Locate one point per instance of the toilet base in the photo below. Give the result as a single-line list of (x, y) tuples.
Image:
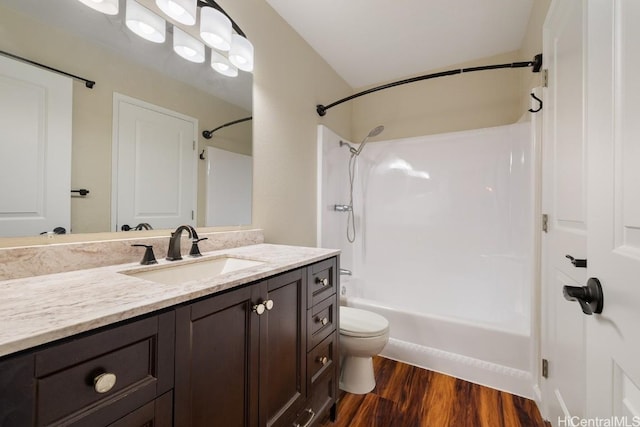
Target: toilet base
[(356, 375)]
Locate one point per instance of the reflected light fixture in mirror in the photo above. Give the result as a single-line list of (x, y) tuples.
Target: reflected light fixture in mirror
[(215, 29), (109, 7), (222, 65), (187, 47), (145, 23), (241, 53), (183, 11)]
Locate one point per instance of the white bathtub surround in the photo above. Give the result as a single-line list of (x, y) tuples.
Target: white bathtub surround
[(36, 260), (444, 247)]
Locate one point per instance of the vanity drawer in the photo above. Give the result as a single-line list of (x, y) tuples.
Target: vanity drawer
[(322, 397), (321, 281), (321, 322), (85, 381), (321, 359)]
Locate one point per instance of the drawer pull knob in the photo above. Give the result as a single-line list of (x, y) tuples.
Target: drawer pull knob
[(322, 320), (323, 360), (268, 304), (259, 308), (323, 282), (104, 382)]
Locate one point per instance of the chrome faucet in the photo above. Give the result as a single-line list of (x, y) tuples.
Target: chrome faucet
[(173, 254)]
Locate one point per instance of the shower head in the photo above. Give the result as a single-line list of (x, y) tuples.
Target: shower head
[(374, 132)]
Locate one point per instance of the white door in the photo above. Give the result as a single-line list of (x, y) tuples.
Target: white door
[(613, 133), (155, 166), (564, 201), (35, 150)]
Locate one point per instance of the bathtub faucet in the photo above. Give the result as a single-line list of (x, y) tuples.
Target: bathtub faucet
[(345, 272)]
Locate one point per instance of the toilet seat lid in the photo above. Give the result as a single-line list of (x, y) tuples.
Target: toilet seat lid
[(362, 323)]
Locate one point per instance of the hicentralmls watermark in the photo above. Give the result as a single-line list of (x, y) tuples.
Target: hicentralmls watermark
[(599, 422)]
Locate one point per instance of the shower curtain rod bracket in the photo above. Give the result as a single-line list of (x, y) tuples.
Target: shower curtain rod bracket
[(536, 65)]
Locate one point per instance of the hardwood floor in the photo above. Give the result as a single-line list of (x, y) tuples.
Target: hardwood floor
[(406, 396)]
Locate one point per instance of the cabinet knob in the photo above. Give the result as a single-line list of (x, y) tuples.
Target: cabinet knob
[(322, 320), (323, 282), (259, 308), (104, 382), (268, 304), (323, 360)]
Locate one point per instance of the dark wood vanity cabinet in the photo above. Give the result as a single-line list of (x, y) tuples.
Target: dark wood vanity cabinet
[(240, 356), (255, 356), (263, 354)]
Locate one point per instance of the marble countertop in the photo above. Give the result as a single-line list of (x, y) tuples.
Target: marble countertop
[(41, 309)]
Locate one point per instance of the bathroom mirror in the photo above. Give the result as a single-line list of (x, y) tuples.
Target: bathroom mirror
[(74, 38)]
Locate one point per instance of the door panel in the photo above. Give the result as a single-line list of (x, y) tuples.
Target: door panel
[(35, 150), (156, 167), (613, 349), (564, 200)]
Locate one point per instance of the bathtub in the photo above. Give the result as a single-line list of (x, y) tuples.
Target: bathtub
[(479, 353), (444, 247)]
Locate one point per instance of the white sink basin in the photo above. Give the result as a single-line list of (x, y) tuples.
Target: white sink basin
[(202, 269)]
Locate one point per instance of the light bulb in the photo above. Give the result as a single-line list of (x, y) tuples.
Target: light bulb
[(145, 23), (183, 11), (108, 7), (215, 28), (187, 46)]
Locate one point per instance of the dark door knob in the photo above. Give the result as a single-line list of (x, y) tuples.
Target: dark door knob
[(589, 297)]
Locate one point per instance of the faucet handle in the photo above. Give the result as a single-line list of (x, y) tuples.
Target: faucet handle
[(195, 250), (149, 257)]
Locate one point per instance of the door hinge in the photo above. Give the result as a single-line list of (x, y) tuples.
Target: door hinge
[(194, 146), (545, 77), (545, 223), (193, 215), (545, 368)]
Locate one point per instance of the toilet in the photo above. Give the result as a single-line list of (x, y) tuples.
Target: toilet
[(363, 334)]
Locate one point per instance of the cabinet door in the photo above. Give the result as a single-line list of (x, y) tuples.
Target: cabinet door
[(217, 361), (283, 349)]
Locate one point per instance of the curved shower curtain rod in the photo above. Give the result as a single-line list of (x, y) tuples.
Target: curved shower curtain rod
[(209, 133), (536, 64)]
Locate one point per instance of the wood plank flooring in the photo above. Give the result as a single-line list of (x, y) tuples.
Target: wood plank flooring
[(407, 396)]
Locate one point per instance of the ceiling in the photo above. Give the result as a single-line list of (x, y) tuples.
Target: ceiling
[(373, 41)]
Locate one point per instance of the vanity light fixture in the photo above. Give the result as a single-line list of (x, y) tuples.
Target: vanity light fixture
[(221, 64), (109, 7), (241, 53), (215, 28), (145, 23), (183, 11), (187, 46)]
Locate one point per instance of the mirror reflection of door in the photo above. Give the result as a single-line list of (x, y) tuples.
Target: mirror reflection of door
[(155, 166), (35, 149)]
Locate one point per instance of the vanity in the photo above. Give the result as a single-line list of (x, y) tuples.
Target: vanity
[(254, 343)]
